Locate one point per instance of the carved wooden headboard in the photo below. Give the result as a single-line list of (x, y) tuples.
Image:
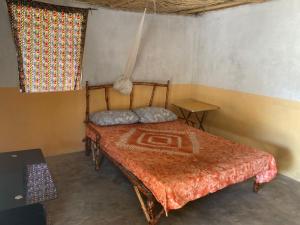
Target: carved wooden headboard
[(106, 88)]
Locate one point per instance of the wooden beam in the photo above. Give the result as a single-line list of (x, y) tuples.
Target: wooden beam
[(218, 6), (183, 7)]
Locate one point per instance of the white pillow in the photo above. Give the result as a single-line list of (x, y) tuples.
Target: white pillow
[(154, 115), (114, 117)]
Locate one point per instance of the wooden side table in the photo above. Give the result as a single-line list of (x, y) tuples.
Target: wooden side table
[(194, 107)]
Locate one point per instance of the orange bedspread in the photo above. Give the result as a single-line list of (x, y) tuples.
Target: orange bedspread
[(178, 163)]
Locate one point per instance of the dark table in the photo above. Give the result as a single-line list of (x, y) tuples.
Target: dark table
[(25, 180)]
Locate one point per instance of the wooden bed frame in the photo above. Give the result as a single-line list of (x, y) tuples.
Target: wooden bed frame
[(152, 209)]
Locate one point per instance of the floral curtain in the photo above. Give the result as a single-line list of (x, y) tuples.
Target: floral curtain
[(50, 42)]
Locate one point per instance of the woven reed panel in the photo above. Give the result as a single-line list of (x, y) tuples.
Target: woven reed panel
[(185, 7)]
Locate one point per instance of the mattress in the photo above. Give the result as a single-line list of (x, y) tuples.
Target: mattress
[(179, 163)]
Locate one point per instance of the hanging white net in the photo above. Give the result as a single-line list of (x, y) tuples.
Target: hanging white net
[(124, 83)]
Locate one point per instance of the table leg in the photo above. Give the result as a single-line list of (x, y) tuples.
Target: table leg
[(201, 120), (186, 118)]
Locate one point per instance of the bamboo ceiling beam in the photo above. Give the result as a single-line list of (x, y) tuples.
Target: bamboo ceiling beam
[(121, 3), (218, 6), (183, 7)]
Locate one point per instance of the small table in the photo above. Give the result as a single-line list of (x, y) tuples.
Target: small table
[(193, 106), (25, 182)]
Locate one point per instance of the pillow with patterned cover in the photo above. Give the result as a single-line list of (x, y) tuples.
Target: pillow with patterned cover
[(114, 117), (154, 115)]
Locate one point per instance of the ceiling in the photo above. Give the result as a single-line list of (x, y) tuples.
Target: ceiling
[(184, 7)]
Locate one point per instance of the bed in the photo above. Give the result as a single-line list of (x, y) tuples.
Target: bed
[(170, 164)]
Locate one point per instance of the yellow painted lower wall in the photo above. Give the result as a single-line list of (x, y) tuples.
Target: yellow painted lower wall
[(54, 121), (270, 124), (51, 121)]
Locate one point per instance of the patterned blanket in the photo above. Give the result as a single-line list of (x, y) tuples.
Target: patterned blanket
[(178, 163)]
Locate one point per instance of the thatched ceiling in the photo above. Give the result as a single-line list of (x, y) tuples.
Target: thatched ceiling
[(186, 7)]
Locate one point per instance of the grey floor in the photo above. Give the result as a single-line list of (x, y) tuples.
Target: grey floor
[(87, 197)]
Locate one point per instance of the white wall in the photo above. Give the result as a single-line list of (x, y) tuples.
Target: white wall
[(8, 58), (166, 51), (165, 54), (252, 48)]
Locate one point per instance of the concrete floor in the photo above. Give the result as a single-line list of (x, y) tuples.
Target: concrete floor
[(87, 197)]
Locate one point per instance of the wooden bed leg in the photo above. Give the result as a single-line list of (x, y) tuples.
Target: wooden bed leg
[(150, 204), (138, 194), (154, 213), (256, 186), (98, 159), (97, 162), (152, 217), (98, 156), (88, 146)]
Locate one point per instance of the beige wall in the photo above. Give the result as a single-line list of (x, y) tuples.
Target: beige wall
[(270, 124), (54, 121), (51, 121)]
